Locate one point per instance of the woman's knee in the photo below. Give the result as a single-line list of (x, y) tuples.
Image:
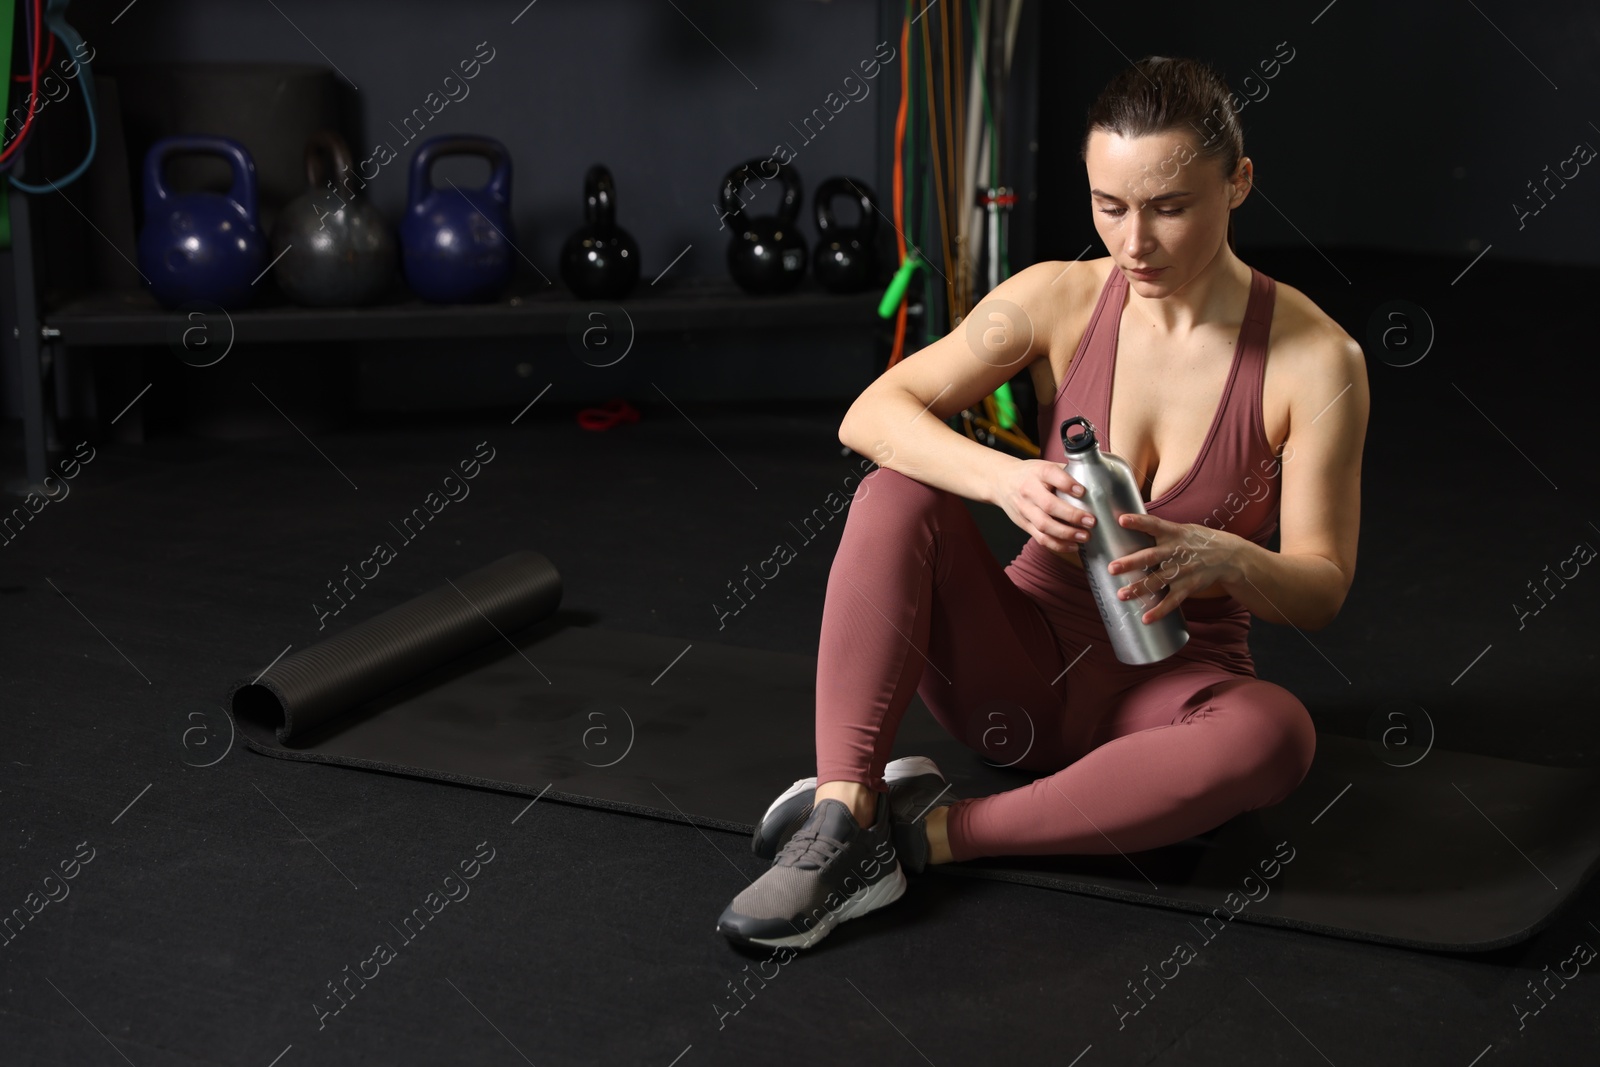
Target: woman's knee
[(893, 509), (900, 493), (1288, 741)]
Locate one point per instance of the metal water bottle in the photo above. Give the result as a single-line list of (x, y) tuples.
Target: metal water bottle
[(1109, 491)]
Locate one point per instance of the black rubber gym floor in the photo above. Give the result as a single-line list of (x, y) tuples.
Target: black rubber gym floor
[(217, 897)]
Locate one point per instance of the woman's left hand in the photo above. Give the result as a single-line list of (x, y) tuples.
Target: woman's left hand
[(1185, 557)]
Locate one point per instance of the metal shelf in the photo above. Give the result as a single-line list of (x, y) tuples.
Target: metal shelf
[(532, 309)]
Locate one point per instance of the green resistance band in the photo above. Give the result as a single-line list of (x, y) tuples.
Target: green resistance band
[(1005, 406), (897, 285)]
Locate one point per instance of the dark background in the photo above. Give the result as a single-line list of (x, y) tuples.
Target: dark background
[(1403, 128)]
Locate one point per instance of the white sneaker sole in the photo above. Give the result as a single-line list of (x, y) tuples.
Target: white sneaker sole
[(910, 767), (804, 785), (862, 902)]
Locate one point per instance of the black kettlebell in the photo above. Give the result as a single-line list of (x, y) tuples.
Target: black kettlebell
[(330, 252), (767, 253), (845, 261), (600, 260)]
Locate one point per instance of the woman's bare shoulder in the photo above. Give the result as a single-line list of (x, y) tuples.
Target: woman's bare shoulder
[(1056, 297), (1056, 294), (1319, 367), (1055, 280), (1310, 335)]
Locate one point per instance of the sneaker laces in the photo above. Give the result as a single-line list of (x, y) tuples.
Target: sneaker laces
[(808, 850)]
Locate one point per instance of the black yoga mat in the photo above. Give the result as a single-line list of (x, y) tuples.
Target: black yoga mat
[(486, 682)]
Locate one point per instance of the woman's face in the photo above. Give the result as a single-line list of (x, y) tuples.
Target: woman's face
[(1157, 204)]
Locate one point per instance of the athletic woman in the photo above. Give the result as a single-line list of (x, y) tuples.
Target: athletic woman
[(1163, 345)]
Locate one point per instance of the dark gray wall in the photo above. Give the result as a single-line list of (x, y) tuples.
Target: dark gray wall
[(1410, 127), (669, 101)]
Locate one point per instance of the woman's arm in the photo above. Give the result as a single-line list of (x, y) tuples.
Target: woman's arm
[(899, 420), (1304, 584)]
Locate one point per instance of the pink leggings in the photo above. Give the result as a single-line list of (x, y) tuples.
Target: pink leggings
[(1015, 663)]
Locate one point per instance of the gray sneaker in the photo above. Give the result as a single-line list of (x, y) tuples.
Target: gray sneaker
[(916, 787), (783, 817), (831, 870)]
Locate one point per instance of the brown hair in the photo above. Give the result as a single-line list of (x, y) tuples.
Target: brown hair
[(1160, 93)]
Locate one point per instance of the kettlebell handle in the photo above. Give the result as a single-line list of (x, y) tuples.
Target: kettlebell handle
[(326, 143), (751, 170), (864, 230), (600, 199), (243, 190), (432, 150)]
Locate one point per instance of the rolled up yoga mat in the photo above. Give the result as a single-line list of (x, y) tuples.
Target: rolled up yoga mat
[(487, 681), (306, 690)]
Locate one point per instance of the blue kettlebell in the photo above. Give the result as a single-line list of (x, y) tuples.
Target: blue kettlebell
[(456, 243), (201, 246)]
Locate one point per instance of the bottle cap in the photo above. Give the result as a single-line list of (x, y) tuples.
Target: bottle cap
[(1084, 442)]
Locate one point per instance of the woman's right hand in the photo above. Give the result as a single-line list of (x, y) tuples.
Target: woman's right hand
[(1027, 494)]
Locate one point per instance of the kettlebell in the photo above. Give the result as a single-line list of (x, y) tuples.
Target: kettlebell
[(600, 260), (845, 260), (328, 251), (767, 253), (456, 243), (201, 246)]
